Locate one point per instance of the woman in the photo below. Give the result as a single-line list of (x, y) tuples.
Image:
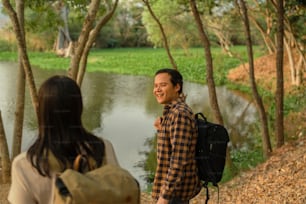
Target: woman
[(61, 137)]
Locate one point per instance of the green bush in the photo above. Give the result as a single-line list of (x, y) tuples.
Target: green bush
[(6, 46)]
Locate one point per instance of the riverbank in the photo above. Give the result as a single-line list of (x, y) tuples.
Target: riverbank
[(281, 179)]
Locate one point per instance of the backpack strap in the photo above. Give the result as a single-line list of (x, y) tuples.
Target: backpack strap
[(205, 185), (218, 193), (200, 114), (82, 163)]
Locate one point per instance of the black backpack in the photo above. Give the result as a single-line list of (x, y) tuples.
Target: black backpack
[(210, 151)]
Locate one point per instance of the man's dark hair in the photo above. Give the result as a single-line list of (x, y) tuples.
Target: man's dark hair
[(176, 77)]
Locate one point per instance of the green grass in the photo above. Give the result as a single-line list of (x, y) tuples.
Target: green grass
[(144, 61)]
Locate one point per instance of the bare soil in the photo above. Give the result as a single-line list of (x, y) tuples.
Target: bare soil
[(279, 180), (265, 73)]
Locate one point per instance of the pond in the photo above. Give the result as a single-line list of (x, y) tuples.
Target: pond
[(122, 109)]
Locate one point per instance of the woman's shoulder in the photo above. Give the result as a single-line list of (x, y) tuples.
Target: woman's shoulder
[(110, 155), (20, 160), (27, 184), (106, 142)]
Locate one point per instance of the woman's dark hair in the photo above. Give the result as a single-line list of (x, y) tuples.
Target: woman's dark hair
[(176, 77), (60, 128)]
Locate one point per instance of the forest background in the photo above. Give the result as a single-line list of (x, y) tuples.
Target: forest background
[(71, 32)]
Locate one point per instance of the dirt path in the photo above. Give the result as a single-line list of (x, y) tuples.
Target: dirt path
[(280, 180)]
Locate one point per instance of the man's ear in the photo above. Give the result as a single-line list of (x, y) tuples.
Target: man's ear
[(177, 88)]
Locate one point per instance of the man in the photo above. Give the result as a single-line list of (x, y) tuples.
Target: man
[(176, 180)]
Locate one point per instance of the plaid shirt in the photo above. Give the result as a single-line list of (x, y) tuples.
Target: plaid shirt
[(176, 173)]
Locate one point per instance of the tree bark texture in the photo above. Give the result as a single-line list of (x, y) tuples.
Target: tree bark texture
[(92, 37), (22, 46), (209, 64), (20, 96), (267, 148), (87, 26), (209, 77), (279, 95), (4, 154)]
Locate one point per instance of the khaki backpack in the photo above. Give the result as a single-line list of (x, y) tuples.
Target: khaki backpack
[(108, 184)]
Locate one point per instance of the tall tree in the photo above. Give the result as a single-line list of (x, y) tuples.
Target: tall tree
[(294, 37), (17, 19), (219, 19), (88, 24), (261, 16), (91, 39), (20, 97), (209, 63), (294, 32), (165, 39), (279, 95), (267, 149), (210, 77), (91, 27), (23, 51)]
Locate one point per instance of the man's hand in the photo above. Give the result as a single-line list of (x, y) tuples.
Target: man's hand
[(157, 123), (161, 200)]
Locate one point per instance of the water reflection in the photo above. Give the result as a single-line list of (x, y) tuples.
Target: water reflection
[(122, 109)]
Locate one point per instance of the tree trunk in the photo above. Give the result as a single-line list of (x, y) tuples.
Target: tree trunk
[(163, 33), (20, 97), (279, 95), (4, 155), (267, 149), (210, 77), (23, 51), (92, 36), (209, 64), (19, 112), (87, 26), (63, 40)]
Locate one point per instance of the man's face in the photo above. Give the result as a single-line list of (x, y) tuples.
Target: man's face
[(163, 90)]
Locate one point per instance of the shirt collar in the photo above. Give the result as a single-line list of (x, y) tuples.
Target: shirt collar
[(180, 99)]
